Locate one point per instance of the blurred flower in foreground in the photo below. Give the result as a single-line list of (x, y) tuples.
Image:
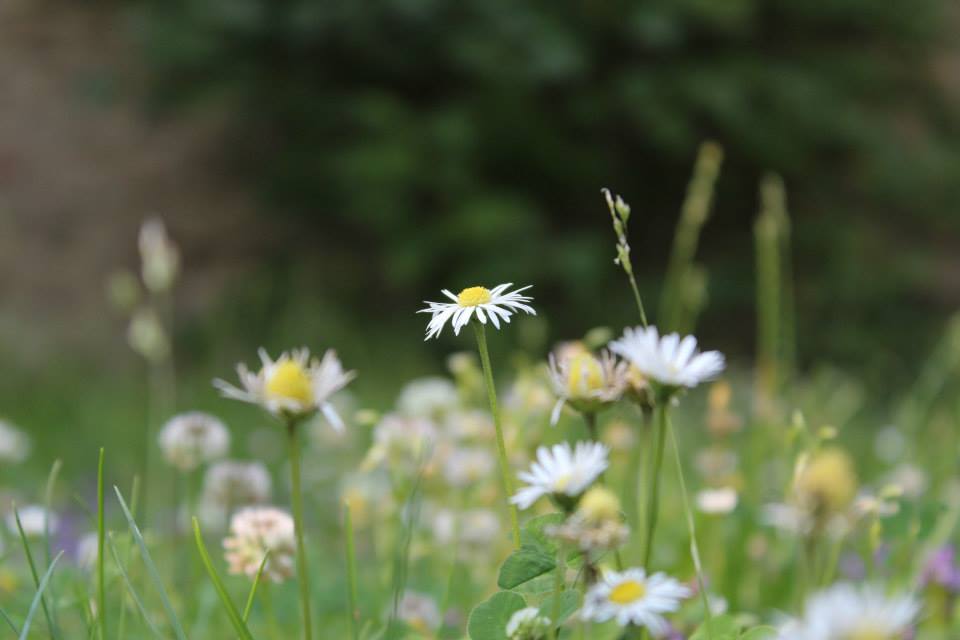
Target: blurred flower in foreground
[(14, 444), (160, 259), (293, 386), (585, 382), (403, 443), (668, 360), (428, 398), (486, 304), (528, 624), (562, 473), (467, 465), (191, 439), (474, 528), (596, 525), (631, 597), (87, 550), (848, 612), (942, 570), (147, 336), (826, 483), (419, 612), (255, 531), (34, 519)]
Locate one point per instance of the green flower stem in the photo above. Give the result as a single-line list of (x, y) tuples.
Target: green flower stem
[(653, 481), (296, 500), (101, 537), (480, 331), (636, 296), (558, 585), (351, 552), (691, 528)]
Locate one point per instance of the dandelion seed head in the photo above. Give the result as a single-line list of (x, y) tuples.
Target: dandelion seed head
[(254, 532)]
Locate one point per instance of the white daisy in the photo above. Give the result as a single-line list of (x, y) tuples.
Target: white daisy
[(35, 519), (585, 382), (849, 612), (14, 443), (494, 304), (193, 438), (561, 472), (670, 360), (632, 598), (292, 386)]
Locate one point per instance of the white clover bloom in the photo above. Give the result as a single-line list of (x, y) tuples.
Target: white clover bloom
[(485, 304), (419, 612), (585, 382), (431, 397), (561, 472), (35, 519), (632, 597), (293, 385), (473, 527), (233, 483), (14, 444), (87, 551), (467, 465), (159, 256), (670, 360), (193, 438), (255, 531), (849, 612), (527, 624), (717, 501)]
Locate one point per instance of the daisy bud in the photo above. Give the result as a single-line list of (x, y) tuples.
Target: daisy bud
[(599, 504)]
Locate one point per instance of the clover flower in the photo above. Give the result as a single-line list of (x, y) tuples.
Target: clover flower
[(254, 531), (476, 302), (191, 439), (527, 624), (293, 386), (232, 483)]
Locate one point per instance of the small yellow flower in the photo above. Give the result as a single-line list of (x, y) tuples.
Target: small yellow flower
[(827, 483), (599, 504)]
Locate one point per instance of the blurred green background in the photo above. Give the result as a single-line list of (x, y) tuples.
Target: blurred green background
[(325, 166)]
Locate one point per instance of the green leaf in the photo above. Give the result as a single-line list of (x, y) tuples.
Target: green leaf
[(151, 568), (25, 631), (533, 534), (238, 624), (488, 620), (760, 633), (33, 566), (722, 627), (253, 587), (526, 563), (569, 602), (133, 592)]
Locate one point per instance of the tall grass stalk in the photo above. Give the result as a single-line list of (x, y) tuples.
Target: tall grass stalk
[(296, 499), (101, 539), (620, 216), (680, 302), (353, 613), (33, 571), (480, 331)]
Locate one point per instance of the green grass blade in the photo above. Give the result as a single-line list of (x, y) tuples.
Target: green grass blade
[(33, 568), (232, 613), (151, 568), (101, 583), (253, 589), (38, 598), (133, 592), (6, 618)]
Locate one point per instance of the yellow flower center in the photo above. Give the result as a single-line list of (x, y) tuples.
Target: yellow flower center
[(561, 483), (586, 374), (627, 592), (868, 634), (473, 296), (289, 380)]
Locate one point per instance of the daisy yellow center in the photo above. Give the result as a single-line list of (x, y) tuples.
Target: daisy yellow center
[(586, 374), (868, 634), (562, 482), (289, 380), (473, 296), (627, 592)]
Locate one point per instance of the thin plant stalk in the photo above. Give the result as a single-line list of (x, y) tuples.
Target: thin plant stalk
[(558, 585), (296, 500), (33, 572), (691, 527), (134, 503), (653, 482), (480, 331), (253, 588), (351, 556), (101, 560), (767, 237)]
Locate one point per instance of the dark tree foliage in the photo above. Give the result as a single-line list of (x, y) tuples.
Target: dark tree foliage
[(426, 141)]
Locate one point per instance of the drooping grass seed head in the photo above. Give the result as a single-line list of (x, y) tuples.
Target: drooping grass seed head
[(478, 303)]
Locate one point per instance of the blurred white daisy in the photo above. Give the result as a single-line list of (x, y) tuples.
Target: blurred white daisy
[(671, 360), (419, 612), (292, 386), (561, 472), (233, 483), (431, 397), (718, 501), (14, 443), (193, 438), (467, 465), (255, 531), (585, 382), (632, 597), (848, 612), (474, 528), (527, 624), (485, 304), (401, 442), (34, 519)]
